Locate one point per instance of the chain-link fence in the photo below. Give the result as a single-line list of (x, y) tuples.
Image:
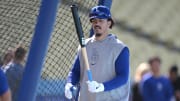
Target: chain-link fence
[(17, 23)]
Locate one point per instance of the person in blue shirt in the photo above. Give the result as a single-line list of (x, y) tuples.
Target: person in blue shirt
[(15, 72), (108, 60), (156, 87), (5, 94)]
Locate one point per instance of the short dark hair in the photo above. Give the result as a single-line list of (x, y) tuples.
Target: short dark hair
[(174, 68), (20, 53), (112, 23), (156, 58)]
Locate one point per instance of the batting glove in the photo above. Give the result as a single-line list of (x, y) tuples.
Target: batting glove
[(95, 87), (68, 92)]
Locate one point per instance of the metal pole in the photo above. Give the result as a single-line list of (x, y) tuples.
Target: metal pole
[(38, 50)]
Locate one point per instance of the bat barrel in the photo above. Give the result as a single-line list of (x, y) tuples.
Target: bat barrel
[(78, 26)]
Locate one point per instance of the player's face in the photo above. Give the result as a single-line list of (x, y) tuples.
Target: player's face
[(100, 27)]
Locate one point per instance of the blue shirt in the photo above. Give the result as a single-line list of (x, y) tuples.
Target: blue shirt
[(3, 83), (121, 67), (157, 89), (14, 75)]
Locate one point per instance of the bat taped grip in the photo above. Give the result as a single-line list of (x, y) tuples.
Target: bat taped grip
[(89, 75)]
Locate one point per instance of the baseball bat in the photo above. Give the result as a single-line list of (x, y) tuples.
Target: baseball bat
[(80, 35)]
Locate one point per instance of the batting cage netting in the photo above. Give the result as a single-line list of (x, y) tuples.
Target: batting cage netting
[(18, 19)]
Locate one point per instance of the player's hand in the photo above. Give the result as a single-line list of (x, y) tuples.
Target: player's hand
[(95, 87), (68, 92)]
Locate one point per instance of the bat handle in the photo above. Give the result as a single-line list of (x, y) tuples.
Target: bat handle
[(89, 73)]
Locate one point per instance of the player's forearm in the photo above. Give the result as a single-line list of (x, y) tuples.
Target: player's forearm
[(115, 83)]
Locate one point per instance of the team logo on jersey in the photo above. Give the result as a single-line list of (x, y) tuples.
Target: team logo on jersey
[(159, 86), (94, 57)]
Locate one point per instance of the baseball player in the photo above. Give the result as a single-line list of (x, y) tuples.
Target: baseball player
[(108, 60)]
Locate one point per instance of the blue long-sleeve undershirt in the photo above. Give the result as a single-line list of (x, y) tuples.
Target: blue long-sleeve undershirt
[(121, 67), (74, 75)]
